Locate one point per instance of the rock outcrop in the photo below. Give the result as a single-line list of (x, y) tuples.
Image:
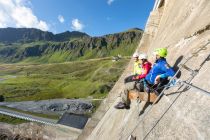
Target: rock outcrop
[(54, 106), (183, 112)]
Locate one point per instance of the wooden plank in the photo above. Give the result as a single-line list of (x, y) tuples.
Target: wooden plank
[(134, 94)]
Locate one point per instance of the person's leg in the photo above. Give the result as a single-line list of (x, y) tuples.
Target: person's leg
[(129, 79), (125, 98), (128, 87), (125, 103), (161, 85), (140, 85)]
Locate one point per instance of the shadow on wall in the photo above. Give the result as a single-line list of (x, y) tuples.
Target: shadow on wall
[(177, 63), (193, 72), (176, 66), (207, 59)]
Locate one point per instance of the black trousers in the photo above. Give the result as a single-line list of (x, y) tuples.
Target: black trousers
[(156, 88), (129, 79)]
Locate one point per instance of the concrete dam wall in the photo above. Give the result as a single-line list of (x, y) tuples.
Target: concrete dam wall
[(182, 26)]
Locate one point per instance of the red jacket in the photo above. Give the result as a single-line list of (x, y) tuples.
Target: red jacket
[(145, 70)]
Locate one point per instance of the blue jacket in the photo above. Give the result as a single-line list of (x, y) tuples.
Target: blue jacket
[(161, 68)]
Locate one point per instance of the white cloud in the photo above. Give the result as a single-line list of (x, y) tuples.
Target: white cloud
[(61, 19), (16, 13), (26, 3), (109, 2), (76, 25), (3, 19)]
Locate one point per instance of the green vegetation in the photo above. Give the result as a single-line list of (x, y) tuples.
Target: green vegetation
[(11, 120), (37, 65), (55, 117), (78, 79), (53, 49), (2, 98)]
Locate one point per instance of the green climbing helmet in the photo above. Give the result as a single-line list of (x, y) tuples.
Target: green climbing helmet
[(162, 52)]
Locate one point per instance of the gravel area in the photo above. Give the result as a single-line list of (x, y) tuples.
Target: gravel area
[(55, 106)]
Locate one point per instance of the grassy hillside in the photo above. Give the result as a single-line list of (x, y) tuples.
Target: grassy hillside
[(42, 51), (38, 65), (78, 79), (11, 120)]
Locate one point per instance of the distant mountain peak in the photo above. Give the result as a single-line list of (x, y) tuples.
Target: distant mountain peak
[(11, 35), (36, 45), (135, 29)]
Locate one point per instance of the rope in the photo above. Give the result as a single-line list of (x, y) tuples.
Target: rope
[(166, 111), (152, 105), (187, 84), (162, 93)]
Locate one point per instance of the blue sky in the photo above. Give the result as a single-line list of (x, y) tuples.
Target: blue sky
[(95, 17)]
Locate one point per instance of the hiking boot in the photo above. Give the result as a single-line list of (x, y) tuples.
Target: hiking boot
[(121, 105)]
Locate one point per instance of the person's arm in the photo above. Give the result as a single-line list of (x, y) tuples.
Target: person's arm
[(169, 72)]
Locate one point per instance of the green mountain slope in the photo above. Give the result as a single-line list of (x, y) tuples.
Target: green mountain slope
[(78, 79), (67, 46), (24, 35)]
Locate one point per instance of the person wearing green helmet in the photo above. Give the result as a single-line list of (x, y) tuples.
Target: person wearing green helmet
[(154, 81), (160, 69), (161, 52), (157, 77)]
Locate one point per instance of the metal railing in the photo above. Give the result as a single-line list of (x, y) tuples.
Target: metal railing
[(194, 54), (27, 117)]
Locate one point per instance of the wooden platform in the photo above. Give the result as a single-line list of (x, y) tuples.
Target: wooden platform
[(134, 94)]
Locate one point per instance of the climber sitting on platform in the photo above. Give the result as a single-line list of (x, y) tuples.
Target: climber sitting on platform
[(157, 78), (137, 83), (153, 83), (137, 69)]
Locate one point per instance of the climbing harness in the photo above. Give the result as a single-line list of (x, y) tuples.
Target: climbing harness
[(188, 85), (194, 54)]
